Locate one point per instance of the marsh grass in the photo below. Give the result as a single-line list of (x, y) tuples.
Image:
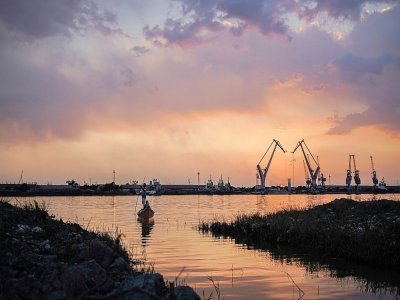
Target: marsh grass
[(367, 232)]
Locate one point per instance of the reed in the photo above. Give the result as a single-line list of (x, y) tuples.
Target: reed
[(367, 232)]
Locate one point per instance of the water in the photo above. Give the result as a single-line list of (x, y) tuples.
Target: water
[(177, 250)]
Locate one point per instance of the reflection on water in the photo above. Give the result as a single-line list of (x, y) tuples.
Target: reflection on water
[(147, 226), (177, 249), (368, 279)]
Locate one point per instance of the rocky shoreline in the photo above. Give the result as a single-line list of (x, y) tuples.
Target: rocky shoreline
[(44, 258), (366, 232)]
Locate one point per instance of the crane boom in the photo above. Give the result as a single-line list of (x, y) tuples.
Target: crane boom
[(20, 177), (313, 174), (263, 173)]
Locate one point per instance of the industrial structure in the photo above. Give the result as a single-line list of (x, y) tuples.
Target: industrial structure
[(378, 186), (313, 174), (374, 178), (262, 173), (321, 178), (357, 179), (306, 176)]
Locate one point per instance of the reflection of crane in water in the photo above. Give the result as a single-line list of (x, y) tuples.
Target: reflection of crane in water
[(262, 174), (313, 174)]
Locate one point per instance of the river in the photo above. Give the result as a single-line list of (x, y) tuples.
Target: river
[(172, 245)]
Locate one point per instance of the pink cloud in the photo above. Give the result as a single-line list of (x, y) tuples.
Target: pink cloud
[(372, 73), (46, 18), (270, 17)]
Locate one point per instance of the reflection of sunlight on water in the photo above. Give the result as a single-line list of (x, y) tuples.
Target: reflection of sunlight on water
[(172, 242)]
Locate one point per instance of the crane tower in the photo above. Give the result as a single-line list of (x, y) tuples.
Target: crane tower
[(348, 176), (308, 180), (313, 174), (321, 178), (374, 178), (357, 179), (262, 173)]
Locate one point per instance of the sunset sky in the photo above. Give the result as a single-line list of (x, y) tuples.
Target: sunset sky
[(165, 89)]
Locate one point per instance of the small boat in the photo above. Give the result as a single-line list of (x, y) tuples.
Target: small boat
[(146, 212)]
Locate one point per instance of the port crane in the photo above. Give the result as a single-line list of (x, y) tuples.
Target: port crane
[(321, 178), (382, 185), (313, 174), (374, 178), (348, 176), (357, 179), (262, 174), (308, 180), (20, 177)]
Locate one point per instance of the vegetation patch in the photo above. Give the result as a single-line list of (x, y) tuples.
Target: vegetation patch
[(366, 232)]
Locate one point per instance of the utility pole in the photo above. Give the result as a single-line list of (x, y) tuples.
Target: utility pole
[(198, 179), (114, 176)]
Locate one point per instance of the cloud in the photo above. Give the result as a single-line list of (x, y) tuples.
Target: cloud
[(348, 10), (372, 73), (353, 63), (63, 88), (46, 18), (385, 115), (176, 32), (128, 76), (140, 50), (199, 21)]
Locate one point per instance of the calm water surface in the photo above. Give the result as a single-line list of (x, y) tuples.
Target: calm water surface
[(178, 251)]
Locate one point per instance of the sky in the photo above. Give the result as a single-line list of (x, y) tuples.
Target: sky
[(169, 88)]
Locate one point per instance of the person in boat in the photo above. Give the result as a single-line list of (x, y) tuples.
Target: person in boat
[(143, 193)]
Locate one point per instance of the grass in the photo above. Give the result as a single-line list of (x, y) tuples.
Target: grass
[(367, 232)]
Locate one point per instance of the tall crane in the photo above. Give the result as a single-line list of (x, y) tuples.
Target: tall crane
[(263, 173), (308, 180), (348, 176), (20, 177), (321, 178), (313, 174), (357, 179), (374, 178)]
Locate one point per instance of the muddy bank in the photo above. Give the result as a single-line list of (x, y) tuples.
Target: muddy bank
[(44, 258), (365, 232)]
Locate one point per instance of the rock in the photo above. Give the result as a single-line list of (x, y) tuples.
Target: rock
[(99, 251), (37, 229), (55, 295), (22, 228), (141, 286), (46, 245), (79, 278), (119, 264), (184, 292), (71, 263)]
